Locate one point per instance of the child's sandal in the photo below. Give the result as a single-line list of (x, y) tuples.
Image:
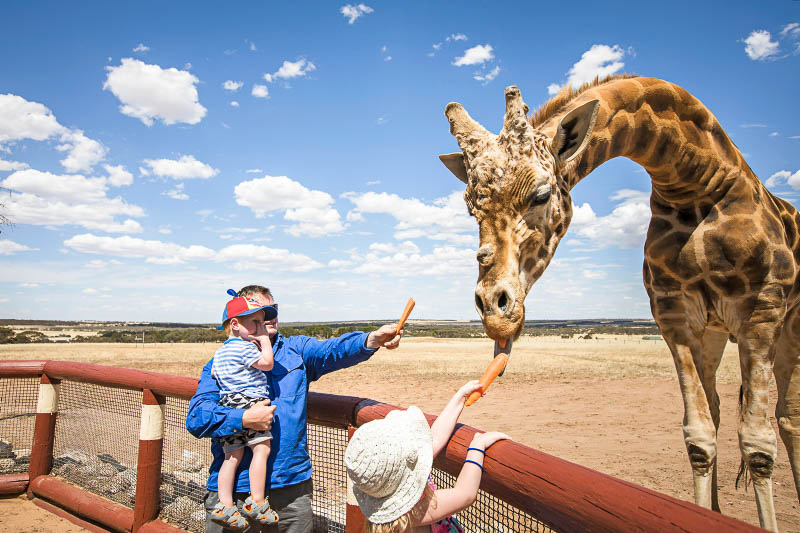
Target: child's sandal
[(263, 513), (228, 517)]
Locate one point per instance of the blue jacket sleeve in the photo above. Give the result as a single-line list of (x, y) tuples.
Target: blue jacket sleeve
[(206, 418), (322, 357)]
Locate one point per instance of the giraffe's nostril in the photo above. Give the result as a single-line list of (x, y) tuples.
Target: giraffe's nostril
[(479, 304), (502, 302)]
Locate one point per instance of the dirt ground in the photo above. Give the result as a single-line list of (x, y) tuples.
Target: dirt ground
[(611, 404)]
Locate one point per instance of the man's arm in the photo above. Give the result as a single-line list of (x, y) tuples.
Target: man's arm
[(206, 418)]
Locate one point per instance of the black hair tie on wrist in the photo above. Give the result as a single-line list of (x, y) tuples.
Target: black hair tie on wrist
[(477, 450), (474, 462)]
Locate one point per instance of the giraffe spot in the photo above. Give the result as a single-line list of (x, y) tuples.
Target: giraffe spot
[(729, 285), (760, 465), (705, 210), (529, 265), (658, 226), (600, 152), (621, 127), (789, 228), (687, 217), (660, 97), (782, 264)]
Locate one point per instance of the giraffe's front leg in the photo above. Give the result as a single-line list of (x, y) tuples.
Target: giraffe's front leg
[(713, 346), (757, 439), (699, 431)]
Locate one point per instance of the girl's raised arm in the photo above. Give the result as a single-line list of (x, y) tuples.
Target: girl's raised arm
[(444, 424)]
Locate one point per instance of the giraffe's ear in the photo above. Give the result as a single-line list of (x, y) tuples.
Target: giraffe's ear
[(574, 131), (455, 164)]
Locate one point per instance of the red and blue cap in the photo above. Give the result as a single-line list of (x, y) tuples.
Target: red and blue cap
[(241, 306)]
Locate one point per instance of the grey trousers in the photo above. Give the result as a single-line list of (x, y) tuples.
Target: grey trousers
[(293, 505)]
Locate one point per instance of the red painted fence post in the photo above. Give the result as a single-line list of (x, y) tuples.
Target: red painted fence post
[(148, 469), (44, 429), (354, 518)]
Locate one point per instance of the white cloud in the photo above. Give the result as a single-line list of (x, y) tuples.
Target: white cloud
[(143, 171), (774, 134), (759, 45), (141, 48), (148, 92), (187, 167), (792, 29), (118, 176), (164, 230), (67, 188), (599, 61), (21, 119), (291, 69), (240, 256), (441, 262), (10, 247), (784, 176), (352, 12), (177, 193), (252, 46), (405, 247), (456, 37), (475, 56), (254, 171), (753, 125), (84, 152), (446, 215), (625, 227), (45, 199), (594, 274), (234, 103), (488, 76), (310, 210), (260, 91), (90, 290), (12, 165), (231, 85), (29, 285)]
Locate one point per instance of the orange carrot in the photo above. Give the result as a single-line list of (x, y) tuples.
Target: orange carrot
[(502, 343), (406, 312), (495, 367)]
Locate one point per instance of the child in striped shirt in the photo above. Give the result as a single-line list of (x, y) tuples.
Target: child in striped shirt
[(239, 367)]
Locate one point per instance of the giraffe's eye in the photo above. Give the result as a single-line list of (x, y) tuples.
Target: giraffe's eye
[(539, 195)]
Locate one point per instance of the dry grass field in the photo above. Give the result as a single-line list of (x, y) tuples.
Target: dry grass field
[(611, 403)]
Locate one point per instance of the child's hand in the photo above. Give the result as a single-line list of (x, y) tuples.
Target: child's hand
[(484, 440), (468, 388)]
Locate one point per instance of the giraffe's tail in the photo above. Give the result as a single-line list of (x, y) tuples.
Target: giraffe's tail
[(744, 473)]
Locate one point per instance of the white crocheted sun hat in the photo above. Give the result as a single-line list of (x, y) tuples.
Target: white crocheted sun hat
[(388, 462)]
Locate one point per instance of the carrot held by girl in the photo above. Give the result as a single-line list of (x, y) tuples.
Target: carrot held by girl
[(389, 462)]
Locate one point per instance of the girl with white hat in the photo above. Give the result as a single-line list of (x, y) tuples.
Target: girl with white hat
[(389, 462)]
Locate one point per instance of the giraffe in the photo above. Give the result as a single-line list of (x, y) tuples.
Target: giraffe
[(722, 254)]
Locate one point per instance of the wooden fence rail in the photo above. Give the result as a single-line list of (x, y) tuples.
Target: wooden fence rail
[(563, 495)]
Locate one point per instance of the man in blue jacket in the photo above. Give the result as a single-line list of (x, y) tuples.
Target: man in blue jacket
[(298, 361)]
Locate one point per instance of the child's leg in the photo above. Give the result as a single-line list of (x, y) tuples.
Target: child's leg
[(227, 476), (258, 471)]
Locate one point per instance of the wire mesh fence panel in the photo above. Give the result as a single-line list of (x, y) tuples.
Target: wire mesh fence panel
[(490, 514), (18, 398), (184, 470), (97, 439), (329, 504)]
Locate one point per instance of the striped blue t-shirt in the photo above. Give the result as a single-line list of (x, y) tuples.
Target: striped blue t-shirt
[(232, 370)]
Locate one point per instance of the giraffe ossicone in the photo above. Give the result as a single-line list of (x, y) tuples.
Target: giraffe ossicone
[(722, 254)]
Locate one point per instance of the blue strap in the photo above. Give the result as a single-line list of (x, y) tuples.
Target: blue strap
[(474, 462), (477, 450)]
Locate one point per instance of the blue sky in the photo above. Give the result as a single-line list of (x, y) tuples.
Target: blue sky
[(155, 154)]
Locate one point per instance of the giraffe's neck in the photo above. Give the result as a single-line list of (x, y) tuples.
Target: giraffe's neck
[(666, 130)]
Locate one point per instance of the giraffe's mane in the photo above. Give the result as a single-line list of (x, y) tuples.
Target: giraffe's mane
[(566, 95)]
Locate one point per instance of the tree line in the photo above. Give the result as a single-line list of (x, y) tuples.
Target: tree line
[(319, 331)]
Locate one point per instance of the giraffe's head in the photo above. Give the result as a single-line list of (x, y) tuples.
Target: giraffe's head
[(518, 195)]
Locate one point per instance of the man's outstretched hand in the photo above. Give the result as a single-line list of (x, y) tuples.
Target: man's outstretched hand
[(385, 337), (259, 416)]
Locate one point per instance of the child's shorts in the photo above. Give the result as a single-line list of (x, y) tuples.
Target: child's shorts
[(249, 437)]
